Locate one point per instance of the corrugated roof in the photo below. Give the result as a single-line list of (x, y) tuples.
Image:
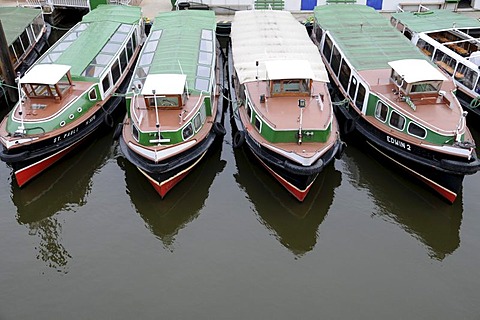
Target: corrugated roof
[(15, 20), (267, 35), (435, 20), (179, 44), (365, 36)]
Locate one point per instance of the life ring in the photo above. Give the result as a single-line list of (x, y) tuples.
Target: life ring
[(108, 120), (340, 150), (219, 129), (349, 126), (238, 139), (475, 103), (118, 131)]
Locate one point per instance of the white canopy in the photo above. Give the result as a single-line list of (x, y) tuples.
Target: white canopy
[(270, 35), (45, 74), (288, 69), (416, 70), (164, 84)]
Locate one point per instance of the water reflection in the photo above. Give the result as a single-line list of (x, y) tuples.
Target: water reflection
[(435, 223), (63, 188), (295, 224), (166, 217)]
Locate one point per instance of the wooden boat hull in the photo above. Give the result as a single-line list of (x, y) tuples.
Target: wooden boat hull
[(29, 161), (166, 174), (443, 175)]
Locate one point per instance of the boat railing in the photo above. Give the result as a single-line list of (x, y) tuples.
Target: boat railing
[(58, 3)]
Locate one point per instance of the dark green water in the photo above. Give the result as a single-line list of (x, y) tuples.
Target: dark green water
[(90, 239)]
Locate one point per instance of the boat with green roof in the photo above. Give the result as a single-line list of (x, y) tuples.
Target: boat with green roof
[(72, 91), (281, 105), (175, 98), (393, 99), (25, 34), (451, 41)]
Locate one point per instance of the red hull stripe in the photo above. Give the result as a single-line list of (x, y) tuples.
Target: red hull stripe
[(28, 173), (164, 186), (297, 193), (444, 192)]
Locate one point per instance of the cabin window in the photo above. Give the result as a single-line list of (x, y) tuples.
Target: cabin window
[(445, 62), (353, 88), (202, 84), (135, 132), (397, 121), (381, 112), (116, 71), (106, 82), (327, 48), (425, 47), (123, 60), (25, 40), (258, 124), (249, 112), (408, 33), (400, 27), (17, 46), (187, 132), (197, 122), (92, 94), (360, 96), (424, 87), (130, 49), (336, 57), (163, 101), (13, 56), (344, 76), (277, 87), (415, 130), (466, 76)]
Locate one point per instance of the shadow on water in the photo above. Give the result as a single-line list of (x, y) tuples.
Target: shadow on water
[(422, 214), (166, 217), (63, 188), (295, 224)]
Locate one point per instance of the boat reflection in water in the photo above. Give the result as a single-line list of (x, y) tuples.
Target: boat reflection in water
[(419, 212), (166, 217), (294, 224), (63, 188)]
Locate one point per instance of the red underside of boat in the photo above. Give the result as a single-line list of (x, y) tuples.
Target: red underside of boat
[(163, 187)]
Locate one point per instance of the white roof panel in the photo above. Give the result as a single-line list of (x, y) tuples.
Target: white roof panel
[(45, 74), (416, 70), (164, 84), (271, 35), (288, 69)]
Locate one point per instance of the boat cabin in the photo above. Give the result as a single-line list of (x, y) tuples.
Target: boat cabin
[(289, 78), (47, 81), (414, 77), (166, 91)]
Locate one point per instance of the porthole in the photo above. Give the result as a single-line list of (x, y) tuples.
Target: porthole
[(397, 121), (187, 132), (258, 124), (79, 109), (417, 131), (381, 111), (71, 116), (62, 124)]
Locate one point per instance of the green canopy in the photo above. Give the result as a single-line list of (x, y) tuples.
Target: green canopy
[(435, 20), (15, 20)]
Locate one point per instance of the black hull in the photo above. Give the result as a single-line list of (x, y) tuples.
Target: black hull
[(439, 171), (465, 100), (103, 119)]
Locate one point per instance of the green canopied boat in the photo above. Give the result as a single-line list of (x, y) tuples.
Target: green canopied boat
[(175, 106), (69, 92), (398, 103)]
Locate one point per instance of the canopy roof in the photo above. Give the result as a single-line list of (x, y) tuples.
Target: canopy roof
[(265, 35), (15, 20), (365, 37), (180, 42), (288, 69), (435, 20), (164, 84), (94, 41), (413, 70), (45, 74)]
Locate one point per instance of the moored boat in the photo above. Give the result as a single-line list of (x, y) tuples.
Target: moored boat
[(175, 105), (450, 40), (25, 35), (280, 101), (71, 91), (395, 100)]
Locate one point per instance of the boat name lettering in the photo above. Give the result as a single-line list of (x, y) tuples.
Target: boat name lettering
[(90, 120), (399, 143)]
